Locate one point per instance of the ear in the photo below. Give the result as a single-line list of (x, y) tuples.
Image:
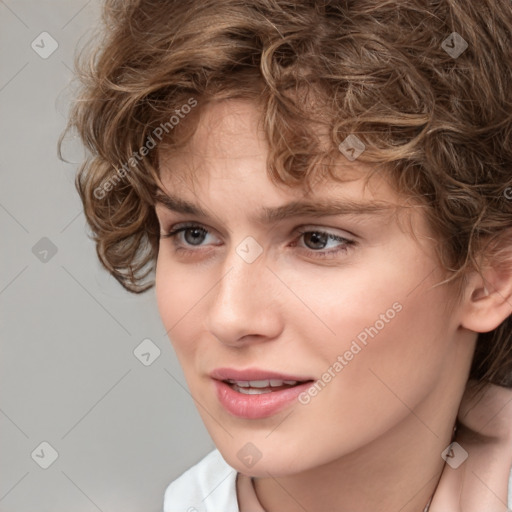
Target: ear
[(488, 294)]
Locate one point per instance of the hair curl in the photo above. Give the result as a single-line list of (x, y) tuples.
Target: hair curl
[(440, 124)]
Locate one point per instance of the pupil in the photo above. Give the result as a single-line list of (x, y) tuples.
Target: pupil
[(317, 238), (195, 238)]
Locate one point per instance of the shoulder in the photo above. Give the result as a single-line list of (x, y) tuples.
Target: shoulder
[(209, 486)]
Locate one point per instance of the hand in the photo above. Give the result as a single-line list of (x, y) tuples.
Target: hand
[(480, 483), (487, 416)]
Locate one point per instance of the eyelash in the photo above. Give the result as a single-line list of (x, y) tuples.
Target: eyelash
[(347, 243)]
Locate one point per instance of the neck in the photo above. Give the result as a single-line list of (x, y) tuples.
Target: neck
[(399, 471)]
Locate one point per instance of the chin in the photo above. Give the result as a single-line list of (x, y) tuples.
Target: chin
[(275, 465), (260, 457)]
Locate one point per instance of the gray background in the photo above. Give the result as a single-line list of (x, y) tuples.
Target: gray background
[(69, 377)]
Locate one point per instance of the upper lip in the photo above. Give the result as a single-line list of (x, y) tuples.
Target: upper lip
[(253, 374)]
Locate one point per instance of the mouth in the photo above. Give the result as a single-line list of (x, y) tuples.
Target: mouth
[(260, 387), (257, 394)]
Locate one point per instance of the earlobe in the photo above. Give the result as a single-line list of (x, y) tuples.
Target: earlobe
[(489, 300)]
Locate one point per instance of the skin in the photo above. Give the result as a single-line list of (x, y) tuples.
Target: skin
[(372, 438), (480, 484)]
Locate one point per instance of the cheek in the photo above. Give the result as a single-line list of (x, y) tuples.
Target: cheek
[(177, 296), (397, 362), (390, 335), (376, 384)]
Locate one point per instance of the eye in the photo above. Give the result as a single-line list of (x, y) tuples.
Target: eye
[(317, 240), (187, 234)]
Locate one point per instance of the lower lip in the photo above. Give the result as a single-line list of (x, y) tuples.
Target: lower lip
[(254, 407)]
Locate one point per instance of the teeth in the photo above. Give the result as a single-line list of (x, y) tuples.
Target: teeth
[(261, 384), (239, 383), (252, 391)]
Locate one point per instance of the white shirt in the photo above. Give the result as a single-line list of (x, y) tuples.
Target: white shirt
[(209, 486)]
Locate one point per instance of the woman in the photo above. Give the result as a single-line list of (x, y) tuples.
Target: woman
[(322, 188)]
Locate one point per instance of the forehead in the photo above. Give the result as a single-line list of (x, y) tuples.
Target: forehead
[(230, 133), (227, 157)]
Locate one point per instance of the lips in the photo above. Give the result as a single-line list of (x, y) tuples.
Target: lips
[(255, 374), (255, 393)]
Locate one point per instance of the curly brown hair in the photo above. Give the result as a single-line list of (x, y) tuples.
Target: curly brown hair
[(425, 86)]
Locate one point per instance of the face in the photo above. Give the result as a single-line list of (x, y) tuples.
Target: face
[(324, 324)]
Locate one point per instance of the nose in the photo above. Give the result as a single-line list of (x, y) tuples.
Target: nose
[(244, 306)]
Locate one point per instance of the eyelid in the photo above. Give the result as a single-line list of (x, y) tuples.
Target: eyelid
[(181, 226), (298, 230), (345, 243), (308, 220), (343, 233), (175, 224)]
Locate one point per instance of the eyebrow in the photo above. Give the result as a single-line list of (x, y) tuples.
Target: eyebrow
[(270, 215)]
